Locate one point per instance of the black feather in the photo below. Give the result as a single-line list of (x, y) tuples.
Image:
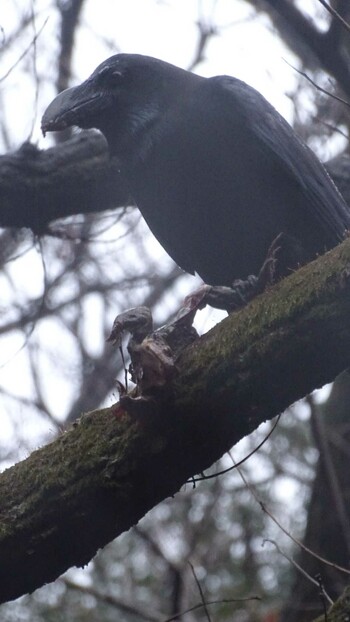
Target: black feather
[(217, 173)]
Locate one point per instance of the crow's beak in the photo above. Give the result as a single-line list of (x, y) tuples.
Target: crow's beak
[(73, 106)]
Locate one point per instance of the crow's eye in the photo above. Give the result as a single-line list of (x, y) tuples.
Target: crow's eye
[(110, 77)]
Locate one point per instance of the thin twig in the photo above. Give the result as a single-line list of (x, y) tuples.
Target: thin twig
[(114, 602), (200, 592), (35, 72), (299, 569), (326, 457), (317, 86), (335, 14), (153, 617), (25, 52), (237, 464), (212, 602), (285, 531)]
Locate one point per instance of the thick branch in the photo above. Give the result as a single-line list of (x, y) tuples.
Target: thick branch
[(97, 480), (76, 177)]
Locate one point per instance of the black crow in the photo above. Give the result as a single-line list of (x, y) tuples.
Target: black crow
[(217, 173)]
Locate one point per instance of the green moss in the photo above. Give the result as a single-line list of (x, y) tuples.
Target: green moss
[(225, 357)]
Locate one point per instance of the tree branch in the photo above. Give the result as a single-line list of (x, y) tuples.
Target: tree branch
[(75, 495), (76, 177), (312, 45)]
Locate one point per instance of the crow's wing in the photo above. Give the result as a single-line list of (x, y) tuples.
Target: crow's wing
[(274, 136)]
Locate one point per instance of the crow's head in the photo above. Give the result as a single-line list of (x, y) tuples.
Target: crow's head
[(123, 96)]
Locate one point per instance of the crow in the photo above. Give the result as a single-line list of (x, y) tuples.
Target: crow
[(217, 173)]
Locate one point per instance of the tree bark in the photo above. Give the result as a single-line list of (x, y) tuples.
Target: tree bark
[(68, 499), (75, 177)]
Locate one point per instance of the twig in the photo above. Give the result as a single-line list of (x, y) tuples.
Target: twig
[(35, 71), (114, 602), (287, 533), (320, 434), (335, 14), (317, 86), (300, 569), (237, 464), (200, 592), (33, 41), (212, 602)]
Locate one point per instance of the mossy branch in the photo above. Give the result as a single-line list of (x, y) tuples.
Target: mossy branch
[(340, 611), (68, 499)]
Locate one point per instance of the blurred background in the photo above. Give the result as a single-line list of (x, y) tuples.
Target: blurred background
[(60, 293)]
